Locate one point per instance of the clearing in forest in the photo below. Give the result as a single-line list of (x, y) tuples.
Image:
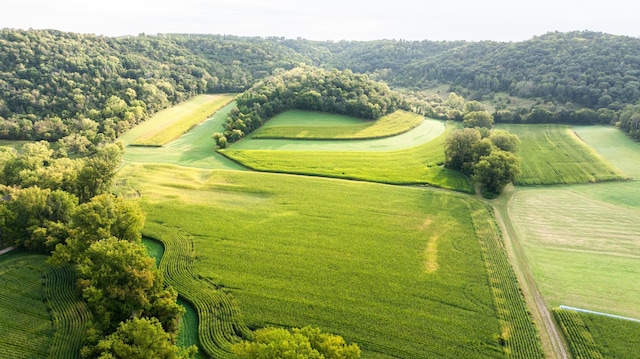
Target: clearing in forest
[(171, 123), (297, 124)]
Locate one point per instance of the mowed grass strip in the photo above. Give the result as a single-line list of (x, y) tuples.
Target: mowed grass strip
[(173, 122), (583, 251), (322, 126), (553, 154), (26, 329), (416, 165), (353, 258)]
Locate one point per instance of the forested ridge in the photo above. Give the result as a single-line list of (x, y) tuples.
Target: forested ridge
[(55, 85)]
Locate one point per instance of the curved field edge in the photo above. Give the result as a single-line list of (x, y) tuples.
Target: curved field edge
[(598, 336), (171, 123), (519, 334), (68, 311), (188, 331), (420, 165), (393, 124), (555, 154), (219, 321)]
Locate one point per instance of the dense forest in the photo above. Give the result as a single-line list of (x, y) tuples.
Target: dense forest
[(82, 90)]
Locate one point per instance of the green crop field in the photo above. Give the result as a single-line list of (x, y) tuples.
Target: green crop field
[(26, 330), (298, 124), (169, 124), (553, 154), (421, 164), (428, 130), (598, 336), (41, 313), (381, 265)]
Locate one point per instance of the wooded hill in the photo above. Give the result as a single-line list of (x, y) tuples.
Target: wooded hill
[(54, 83)]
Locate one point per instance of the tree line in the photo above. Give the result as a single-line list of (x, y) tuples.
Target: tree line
[(60, 206), (57, 85), (87, 89)]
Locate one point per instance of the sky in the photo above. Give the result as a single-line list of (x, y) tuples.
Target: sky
[(498, 20)]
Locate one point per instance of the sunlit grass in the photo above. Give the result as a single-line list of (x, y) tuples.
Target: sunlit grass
[(167, 125), (421, 164), (324, 126)]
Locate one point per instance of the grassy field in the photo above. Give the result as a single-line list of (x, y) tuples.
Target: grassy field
[(582, 242), (169, 124), (415, 165), (298, 124), (428, 130), (195, 148), (26, 330), (597, 336), (381, 265), (553, 154)]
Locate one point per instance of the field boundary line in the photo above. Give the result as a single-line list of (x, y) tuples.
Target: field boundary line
[(553, 342), (598, 313)]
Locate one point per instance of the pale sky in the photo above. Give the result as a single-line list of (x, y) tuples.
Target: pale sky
[(499, 20)]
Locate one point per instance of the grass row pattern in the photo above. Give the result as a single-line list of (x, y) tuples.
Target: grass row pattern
[(173, 122), (416, 165), (26, 328), (219, 320), (597, 336), (554, 154), (519, 334), (68, 312), (392, 124)]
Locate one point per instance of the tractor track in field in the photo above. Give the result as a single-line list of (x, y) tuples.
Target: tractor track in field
[(553, 342)]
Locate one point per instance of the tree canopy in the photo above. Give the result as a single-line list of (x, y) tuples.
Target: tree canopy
[(296, 343), (490, 160), (85, 89)]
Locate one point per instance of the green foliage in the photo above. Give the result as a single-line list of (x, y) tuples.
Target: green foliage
[(482, 119), (307, 342), (459, 150), (494, 171), (115, 277), (140, 338), (36, 219), (96, 175), (56, 83), (490, 166), (330, 346)]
